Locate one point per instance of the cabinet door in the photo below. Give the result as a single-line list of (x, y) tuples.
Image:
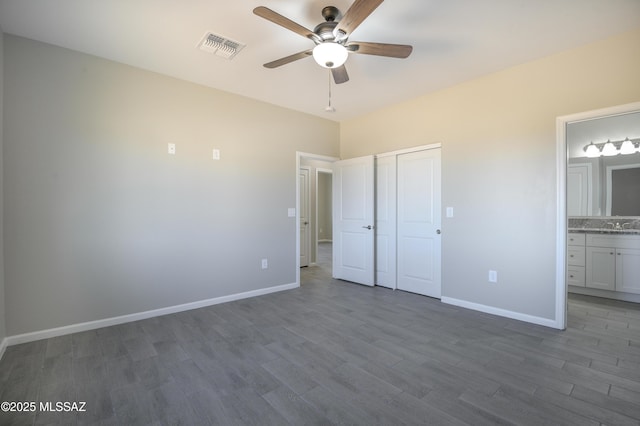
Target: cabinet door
[(628, 270), (601, 268)]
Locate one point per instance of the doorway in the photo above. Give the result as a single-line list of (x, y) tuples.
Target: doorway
[(314, 174), (324, 218), (565, 204)]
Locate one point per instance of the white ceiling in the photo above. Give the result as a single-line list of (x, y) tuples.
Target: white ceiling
[(453, 40)]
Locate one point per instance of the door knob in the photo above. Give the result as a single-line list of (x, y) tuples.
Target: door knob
[(367, 227), (306, 223), (438, 231)]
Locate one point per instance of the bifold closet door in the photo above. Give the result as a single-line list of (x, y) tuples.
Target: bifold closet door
[(418, 222), (386, 221)]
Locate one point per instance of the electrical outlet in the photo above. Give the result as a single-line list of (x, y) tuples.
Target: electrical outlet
[(216, 154), (171, 149), (265, 264), (493, 276)]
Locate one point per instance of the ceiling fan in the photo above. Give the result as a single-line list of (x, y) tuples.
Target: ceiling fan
[(332, 38)]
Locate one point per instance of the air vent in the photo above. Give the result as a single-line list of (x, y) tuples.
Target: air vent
[(220, 46)]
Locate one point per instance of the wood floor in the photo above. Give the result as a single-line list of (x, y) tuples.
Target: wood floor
[(332, 352)]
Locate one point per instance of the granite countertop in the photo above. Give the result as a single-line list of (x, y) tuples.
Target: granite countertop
[(605, 231)]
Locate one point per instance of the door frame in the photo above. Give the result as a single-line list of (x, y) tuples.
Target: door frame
[(299, 156), (561, 200)]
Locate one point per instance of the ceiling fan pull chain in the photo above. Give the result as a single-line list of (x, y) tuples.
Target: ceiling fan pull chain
[(330, 108)]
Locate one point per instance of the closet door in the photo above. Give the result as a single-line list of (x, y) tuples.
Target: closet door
[(386, 221), (418, 222)]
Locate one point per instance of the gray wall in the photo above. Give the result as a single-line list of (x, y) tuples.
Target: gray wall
[(3, 332), (100, 221), (325, 212)]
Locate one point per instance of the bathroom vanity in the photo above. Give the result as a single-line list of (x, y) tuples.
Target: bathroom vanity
[(604, 262)]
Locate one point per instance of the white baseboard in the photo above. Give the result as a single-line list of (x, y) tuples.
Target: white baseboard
[(3, 346), (501, 312), (92, 325)]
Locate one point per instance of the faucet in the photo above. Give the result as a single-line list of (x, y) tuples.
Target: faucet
[(616, 225), (626, 224)]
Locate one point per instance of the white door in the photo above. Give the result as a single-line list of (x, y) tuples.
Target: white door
[(579, 190), (418, 222), (386, 221), (305, 230), (353, 221)]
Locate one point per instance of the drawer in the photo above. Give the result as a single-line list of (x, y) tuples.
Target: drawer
[(616, 241), (576, 276), (575, 239), (575, 256)]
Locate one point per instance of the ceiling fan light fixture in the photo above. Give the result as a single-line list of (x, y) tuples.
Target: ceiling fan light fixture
[(330, 54)]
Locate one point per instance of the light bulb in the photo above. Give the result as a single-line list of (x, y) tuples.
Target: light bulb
[(609, 149), (627, 147), (592, 150), (330, 54)]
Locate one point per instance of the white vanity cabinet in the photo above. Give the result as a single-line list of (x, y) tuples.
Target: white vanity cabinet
[(613, 262), (576, 259)]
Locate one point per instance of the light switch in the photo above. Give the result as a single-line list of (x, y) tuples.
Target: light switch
[(171, 148), (449, 211), (291, 212), (216, 154)]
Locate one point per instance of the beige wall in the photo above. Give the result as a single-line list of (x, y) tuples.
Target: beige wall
[(100, 221), (499, 164)]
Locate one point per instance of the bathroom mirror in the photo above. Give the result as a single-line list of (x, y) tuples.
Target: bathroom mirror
[(603, 185)]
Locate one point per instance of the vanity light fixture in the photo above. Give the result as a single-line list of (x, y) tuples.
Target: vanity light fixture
[(611, 148)]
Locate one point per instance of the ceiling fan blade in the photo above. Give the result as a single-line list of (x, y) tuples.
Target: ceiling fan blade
[(340, 74), (380, 49), (287, 23), (357, 13), (288, 59)]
